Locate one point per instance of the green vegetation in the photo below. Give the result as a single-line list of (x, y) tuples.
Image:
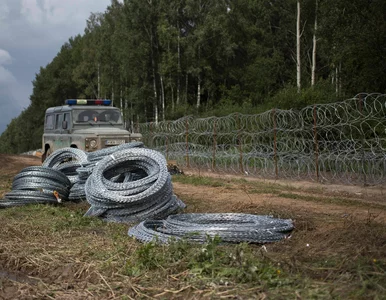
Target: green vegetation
[(64, 246), (167, 59), (200, 180)]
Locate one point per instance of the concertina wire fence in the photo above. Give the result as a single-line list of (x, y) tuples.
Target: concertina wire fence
[(342, 142)]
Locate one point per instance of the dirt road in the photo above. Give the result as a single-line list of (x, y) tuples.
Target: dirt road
[(10, 165), (245, 194)]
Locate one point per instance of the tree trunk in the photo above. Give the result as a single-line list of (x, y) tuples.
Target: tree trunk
[(155, 100), (172, 91), (336, 81), (186, 87), (313, 69), (156, 113), (131, 116), (112, 93), (199, 91), (162, 98), (298, 63), (178, 65), (99, 81), (121, 106)]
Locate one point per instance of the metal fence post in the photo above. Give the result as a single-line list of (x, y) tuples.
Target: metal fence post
[(167, 139), (362, 142), (151, 135), (214, 145), (275, 143), (187, 143), (240, 144), (316, 147)]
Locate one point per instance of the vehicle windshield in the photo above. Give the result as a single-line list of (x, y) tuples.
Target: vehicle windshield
[(111, 116)]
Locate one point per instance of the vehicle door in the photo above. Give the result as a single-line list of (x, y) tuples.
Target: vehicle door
[(58, 140), (66, 129)]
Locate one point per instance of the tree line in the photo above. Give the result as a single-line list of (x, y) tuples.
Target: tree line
[(163, 59)]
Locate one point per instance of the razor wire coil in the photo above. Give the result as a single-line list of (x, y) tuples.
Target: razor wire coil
[(230, 227), (343, 142), (131, 185), (35, 185), (67, 160)]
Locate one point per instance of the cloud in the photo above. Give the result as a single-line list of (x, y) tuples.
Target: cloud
[(5, 57), (6, 76), (31, 34), (39, 23), (4, 11)]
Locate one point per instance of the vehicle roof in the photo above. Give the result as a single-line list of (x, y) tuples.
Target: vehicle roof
[(66, 108)]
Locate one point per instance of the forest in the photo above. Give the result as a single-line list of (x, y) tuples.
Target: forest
[(165, 59)]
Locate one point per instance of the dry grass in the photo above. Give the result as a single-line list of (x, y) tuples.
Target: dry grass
[(59, 254), (49, 252)]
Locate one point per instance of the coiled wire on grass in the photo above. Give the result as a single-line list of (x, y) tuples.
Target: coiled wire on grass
[(131, 185), (37, 185), (67, 160), (230, 227)]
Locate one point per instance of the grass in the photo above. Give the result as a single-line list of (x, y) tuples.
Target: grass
[(76, 257), (200, 181)]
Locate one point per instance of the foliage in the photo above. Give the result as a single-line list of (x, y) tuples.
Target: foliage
[(165, 59)]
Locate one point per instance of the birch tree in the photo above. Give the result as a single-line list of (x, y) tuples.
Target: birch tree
[(314, 40), (298, 57)]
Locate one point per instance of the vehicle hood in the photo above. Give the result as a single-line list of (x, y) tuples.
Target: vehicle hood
[(102, 131)]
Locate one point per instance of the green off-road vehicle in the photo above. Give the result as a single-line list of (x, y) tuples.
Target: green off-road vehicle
[(85, 124)]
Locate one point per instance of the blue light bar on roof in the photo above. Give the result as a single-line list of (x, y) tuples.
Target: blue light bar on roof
[(70, 101), (105, 102)]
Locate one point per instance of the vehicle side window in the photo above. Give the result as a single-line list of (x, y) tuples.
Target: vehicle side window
[(66, 117), (58, 121), (49, 122)]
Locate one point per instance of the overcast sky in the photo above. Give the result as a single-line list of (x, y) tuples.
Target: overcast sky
[(31, 34)]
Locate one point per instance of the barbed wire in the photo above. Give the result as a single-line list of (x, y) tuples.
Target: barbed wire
[(342, 142)]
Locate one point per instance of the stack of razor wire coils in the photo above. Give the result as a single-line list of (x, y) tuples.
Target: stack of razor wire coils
[(85, 170), (100, 154), (34, 185), (131, 185), (229, 227), (67, 160)]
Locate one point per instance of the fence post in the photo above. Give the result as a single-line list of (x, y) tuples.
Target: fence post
[(167, 139), (167, 147), (240, 145), (362, 142), (214, 145), (187, 142), (316, 147), (151, 135), (275, 142)]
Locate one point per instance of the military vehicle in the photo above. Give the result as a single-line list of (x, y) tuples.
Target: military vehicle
[(85, 124)]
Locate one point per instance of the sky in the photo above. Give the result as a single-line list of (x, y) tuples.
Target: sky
[(31, 34)]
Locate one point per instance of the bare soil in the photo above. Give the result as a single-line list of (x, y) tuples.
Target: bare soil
[(10, 165), (332, 221)]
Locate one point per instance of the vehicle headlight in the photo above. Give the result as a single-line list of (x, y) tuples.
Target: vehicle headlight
[(93, 144)]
